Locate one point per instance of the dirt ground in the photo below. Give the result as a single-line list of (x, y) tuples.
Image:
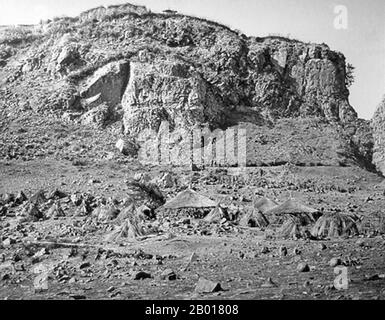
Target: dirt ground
[(247, 262)]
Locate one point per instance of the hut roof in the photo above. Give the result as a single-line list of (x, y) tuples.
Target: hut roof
[(190, 199), (265, 204), (291, 206)]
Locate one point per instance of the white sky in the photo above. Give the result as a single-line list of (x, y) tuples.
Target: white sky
[(363, 43)]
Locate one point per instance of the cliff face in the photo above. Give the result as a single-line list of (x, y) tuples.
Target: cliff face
[(148, 68), (266, 80)]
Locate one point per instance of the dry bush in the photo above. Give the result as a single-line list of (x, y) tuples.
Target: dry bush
[(18, 34)]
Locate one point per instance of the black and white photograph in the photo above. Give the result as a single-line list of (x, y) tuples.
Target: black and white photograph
[(190, 150)]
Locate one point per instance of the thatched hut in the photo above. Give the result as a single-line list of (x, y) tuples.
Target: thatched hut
[(38, 198), (55, 211), (191, 203), (254, 219), (190, 199), (130, 229), (292, 207), (30, 212), (332, 225)]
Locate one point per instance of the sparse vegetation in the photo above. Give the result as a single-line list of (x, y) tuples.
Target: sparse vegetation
[(18, 34), (349, 78)]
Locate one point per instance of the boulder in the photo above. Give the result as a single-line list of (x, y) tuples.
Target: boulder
[(127, 147), (207, 286), (303, 267), (97, 117)]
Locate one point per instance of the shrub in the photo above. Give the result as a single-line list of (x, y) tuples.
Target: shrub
[(349, 77)]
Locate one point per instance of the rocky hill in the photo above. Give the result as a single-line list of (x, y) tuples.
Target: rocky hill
[(124, 69)]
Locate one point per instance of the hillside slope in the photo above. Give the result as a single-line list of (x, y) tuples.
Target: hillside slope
[(127, 68)]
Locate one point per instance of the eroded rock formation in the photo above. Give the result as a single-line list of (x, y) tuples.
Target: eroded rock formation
[(149, 68)]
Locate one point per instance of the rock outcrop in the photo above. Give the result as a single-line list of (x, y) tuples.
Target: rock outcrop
[(378, 125), (149, 68)]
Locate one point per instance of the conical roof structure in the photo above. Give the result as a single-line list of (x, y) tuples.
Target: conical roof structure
[(190, 199), (38, 198), (216, 215), (55, 211), (130, 229), (30, 212), (292, 206), (255, 219), (20, 198), (265, 204)]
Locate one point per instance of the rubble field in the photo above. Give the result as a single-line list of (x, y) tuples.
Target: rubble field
[(117, 230)]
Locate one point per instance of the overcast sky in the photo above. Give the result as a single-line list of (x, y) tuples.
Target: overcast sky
[(363, 42)]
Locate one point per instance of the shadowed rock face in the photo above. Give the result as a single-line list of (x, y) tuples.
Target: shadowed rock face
[(109, 82), (295, 81), (169, 91), (184, 70)]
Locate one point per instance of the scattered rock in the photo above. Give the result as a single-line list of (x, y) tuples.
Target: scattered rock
[(207, 286), (40, 283), (297, 251), (303, 267), (334, 262), (85, 265), (265, 250), (283, 251), (141, 275), (361, 242), (322, 246), (94, 181), (168, 274), (8, 198), (78, 297), (8, 242), (269, 283), (111, 289), (127, 148), (76, 199), (193, 257), (20, 198)]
